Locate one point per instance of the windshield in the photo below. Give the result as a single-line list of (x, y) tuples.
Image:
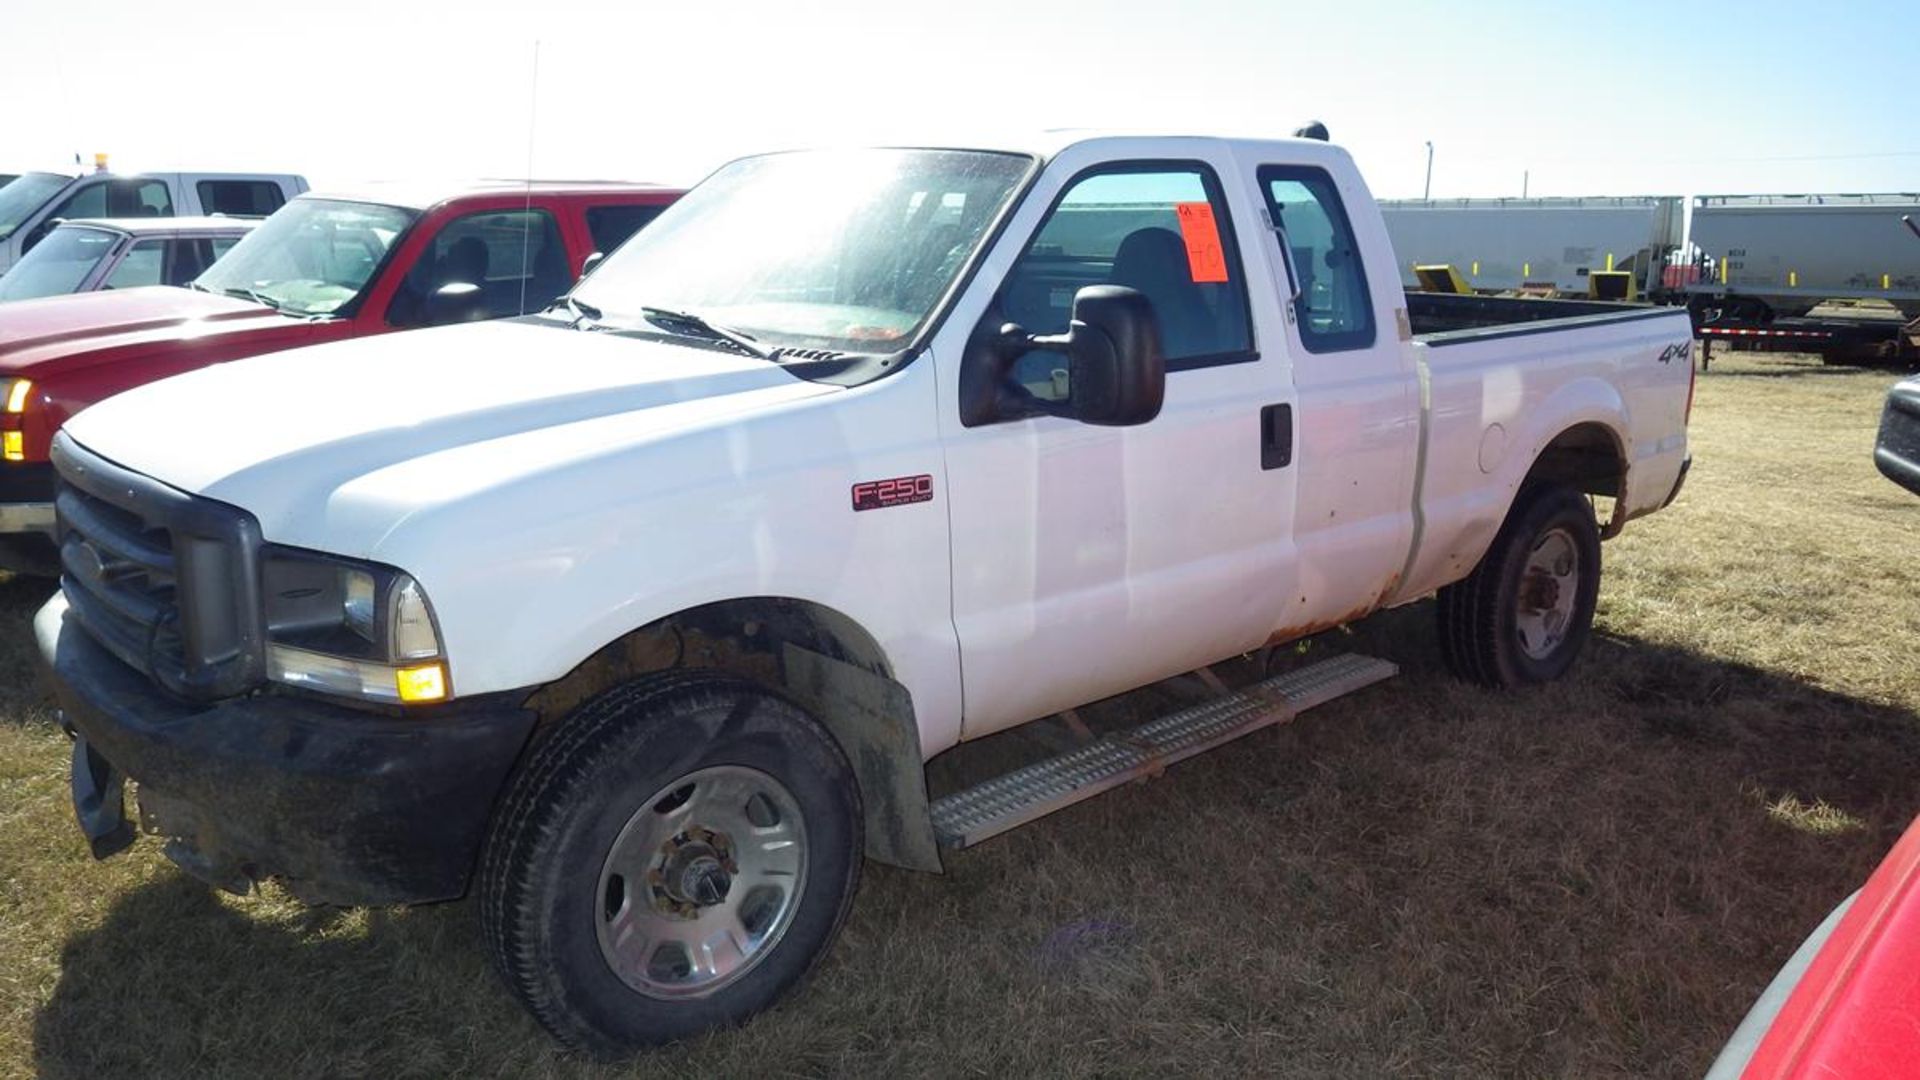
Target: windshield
[(57, 265), (312, 257), (839, 250), (23, 195)]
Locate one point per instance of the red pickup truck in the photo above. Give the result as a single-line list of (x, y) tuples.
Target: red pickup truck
[(323, 267)]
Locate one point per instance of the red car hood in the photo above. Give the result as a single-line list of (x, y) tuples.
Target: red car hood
[(1854, 1009), (34, 332)]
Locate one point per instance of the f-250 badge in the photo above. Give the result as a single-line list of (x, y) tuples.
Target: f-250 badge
[(1679, 351), (899, 491)]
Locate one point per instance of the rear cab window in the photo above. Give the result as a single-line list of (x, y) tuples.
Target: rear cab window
[(240, 198), (609, 226), (1334, 310)]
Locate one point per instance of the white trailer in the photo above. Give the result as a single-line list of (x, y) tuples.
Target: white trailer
[(1500, 244), (1791, 252)]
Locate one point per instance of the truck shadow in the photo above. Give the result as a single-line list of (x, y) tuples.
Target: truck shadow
[(22, 699), (1594, 877)]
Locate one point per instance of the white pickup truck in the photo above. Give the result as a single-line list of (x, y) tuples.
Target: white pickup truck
[(643, 616)]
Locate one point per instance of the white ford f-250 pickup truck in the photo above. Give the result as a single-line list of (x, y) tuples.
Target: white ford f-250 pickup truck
[(643, 615)]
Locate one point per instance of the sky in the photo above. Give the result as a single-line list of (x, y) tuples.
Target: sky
[(1580, 99)]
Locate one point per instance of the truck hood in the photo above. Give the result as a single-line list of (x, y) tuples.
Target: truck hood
[(63, 331), (333, 445)]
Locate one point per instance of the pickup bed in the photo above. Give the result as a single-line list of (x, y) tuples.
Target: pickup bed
[(327, 267), (642, 616)]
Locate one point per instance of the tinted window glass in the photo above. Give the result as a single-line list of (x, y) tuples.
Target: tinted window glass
[(1162, 231), (187, 259), (1334, 309), (240, 198), (141, 265), (221, 245), (514, 257), (611, 225)]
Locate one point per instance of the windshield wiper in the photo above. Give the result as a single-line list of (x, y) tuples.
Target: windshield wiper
[(255, 295), (583, 312), (744, 342)]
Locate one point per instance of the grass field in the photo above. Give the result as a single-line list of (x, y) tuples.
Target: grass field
[(1594, 879)]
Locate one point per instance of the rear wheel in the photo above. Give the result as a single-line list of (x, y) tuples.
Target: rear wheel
[(1525, 612), (672, 859)]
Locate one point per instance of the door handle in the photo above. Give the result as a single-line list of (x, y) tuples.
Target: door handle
[(1276, 436)]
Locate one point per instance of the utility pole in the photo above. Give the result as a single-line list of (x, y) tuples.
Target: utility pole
[(1427, 195)]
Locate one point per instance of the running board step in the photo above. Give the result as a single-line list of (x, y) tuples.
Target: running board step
[(985, 810)]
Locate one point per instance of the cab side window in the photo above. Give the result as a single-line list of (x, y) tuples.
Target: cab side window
[(240, 198), (611, 225), (1162, 229), (515, 258), (1334, 310)]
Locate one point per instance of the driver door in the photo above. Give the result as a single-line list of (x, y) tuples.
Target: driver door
[(1088, 560)]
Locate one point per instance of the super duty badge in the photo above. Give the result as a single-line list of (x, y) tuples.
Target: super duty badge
[(899, 491)]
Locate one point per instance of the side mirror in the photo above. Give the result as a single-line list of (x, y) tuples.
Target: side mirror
[(592, 260), (1116, 370), (455, 302)]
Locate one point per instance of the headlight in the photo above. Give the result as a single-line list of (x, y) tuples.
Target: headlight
[(349, 627), (15, 393), (13, 402)]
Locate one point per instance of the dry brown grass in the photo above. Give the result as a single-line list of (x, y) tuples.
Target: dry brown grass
[(1591, 880)]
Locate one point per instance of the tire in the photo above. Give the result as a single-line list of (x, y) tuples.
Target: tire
[(636, 820), (1501, 626)]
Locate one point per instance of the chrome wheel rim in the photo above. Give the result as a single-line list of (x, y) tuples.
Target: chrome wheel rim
[(1549, 587), (702, 882)]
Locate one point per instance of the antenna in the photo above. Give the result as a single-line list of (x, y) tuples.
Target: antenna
[(526, 218)]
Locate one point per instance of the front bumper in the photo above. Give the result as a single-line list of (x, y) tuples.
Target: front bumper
[(344, 805)]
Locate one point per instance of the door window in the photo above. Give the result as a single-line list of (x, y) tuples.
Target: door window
[(132, 197), (514, 257), (141, 265), (1334, 309), (1163, 230)]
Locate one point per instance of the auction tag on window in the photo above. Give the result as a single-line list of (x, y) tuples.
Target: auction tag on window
[(1206, 260)]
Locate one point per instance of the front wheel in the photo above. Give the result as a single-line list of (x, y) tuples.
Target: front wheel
[(677, 855), (1524, 613)]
